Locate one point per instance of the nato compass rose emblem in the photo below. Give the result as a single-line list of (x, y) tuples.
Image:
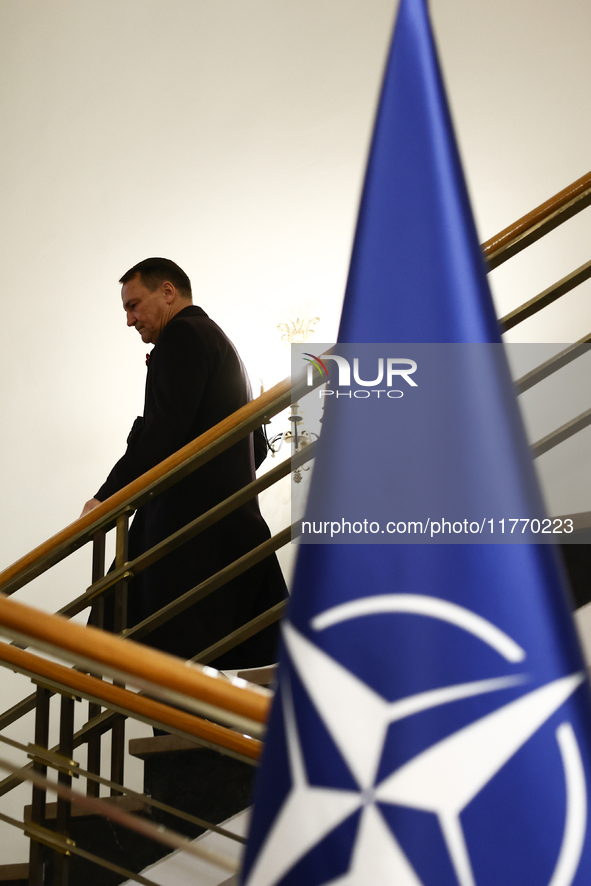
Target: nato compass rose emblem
[(437, 783)]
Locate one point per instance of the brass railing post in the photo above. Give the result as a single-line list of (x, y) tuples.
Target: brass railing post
[(37, 852), (119, 624), (97, 619)]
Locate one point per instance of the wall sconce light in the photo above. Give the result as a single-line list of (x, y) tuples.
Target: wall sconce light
[(297, 436)]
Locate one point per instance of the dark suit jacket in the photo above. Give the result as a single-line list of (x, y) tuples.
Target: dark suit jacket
[(195, 379)]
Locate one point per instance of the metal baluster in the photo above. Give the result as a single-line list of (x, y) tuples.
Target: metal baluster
[(96, 619), (64, 807), (120, 623), (37, 852)]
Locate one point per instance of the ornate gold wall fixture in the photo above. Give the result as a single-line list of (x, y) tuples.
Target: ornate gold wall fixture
[(298, 331), (295, 332)]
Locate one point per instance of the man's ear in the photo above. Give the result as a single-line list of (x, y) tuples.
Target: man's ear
[(169, 292)]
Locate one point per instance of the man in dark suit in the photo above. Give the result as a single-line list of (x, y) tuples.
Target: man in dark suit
[(195, 379)]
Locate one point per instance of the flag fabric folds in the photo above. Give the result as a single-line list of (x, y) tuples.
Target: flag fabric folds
[(431, 725)]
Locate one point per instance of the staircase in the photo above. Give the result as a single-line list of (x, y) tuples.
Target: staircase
[(195, 781), (204, 766)]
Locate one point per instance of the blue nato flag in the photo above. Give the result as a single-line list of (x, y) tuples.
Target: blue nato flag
[(431, 721)]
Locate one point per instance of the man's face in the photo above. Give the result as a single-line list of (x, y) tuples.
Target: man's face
[(146, 310)]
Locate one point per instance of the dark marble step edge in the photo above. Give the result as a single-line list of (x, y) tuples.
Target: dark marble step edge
[(12, 872), (160, 744)]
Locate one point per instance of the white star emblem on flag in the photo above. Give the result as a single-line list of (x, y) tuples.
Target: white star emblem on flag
[(442, 779)]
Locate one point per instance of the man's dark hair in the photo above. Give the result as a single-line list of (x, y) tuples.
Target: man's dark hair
[(155, 271)]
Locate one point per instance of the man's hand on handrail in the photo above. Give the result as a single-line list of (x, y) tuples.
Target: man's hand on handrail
[(90, 505)]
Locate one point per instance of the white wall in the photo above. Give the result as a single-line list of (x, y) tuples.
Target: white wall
[(230, 135)]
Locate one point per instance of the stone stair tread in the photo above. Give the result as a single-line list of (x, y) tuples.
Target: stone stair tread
[(160, 744)]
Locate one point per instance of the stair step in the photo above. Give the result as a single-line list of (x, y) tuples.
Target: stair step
[(14, 874), (197, 780), (104, 838), (126, 804), (161, 744)]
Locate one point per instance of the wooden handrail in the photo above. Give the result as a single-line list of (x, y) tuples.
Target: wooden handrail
[(128, 702), (78, 532), (140, 664), (539, 221)]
